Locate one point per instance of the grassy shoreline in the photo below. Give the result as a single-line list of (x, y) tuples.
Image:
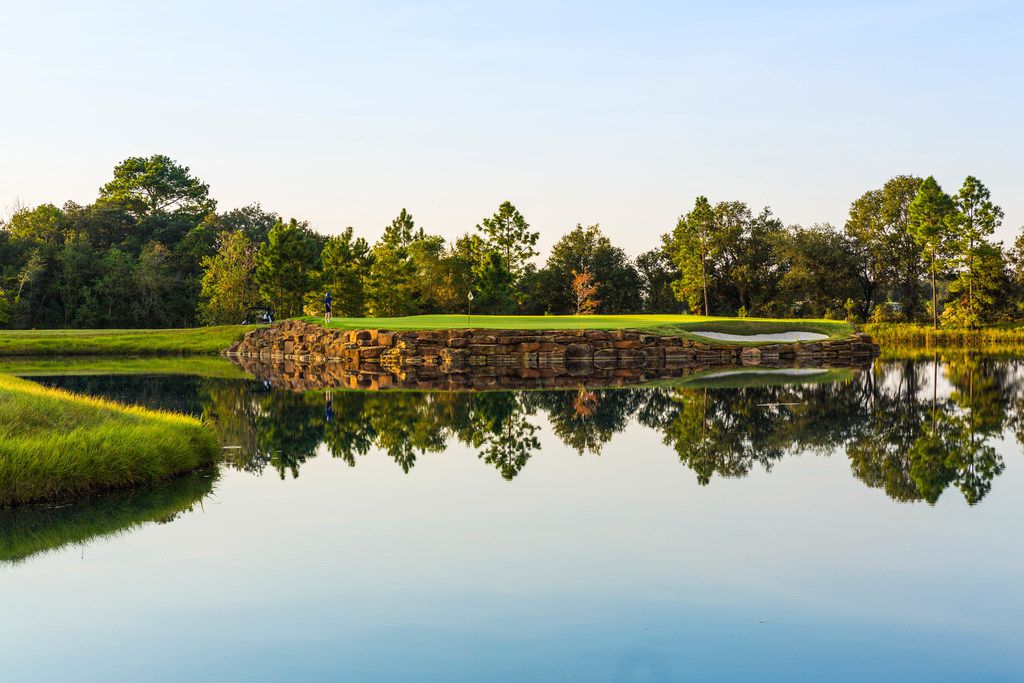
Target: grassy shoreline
[(896, 337), (181, 342), (56, 445)]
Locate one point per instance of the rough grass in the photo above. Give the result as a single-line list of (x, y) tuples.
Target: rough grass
[(896, 337), (55, 444), (28, 530), (197, 340), (681, 325), (202, 366)]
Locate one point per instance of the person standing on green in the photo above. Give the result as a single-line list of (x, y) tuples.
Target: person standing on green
[(327, 308)]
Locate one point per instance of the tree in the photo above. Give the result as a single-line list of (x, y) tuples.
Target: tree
[(694, 245), (229, 285), (146, 186), (344, 262), (584, 289), (114, 288), (928, 224), (402, 231), (588, 249), (983, 298), (252, 220), (44, 224), (973, 219), (657, 273), (155, 284), (495, 285), (285, 266), (818, 266), (888, 259), (508, 234)]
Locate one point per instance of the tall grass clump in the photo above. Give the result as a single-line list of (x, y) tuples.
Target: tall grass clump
[(55, 444)]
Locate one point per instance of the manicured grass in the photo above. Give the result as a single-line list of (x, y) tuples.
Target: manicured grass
[(201, 366), (681, 325), (197, 340), (28, 530), (54, 444), (893, 337)]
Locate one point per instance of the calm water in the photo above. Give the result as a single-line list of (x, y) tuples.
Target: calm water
[(831, 526)]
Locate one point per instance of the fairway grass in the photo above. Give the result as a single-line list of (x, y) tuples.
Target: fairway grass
[(678, 325), (198, 340), (55, 444)]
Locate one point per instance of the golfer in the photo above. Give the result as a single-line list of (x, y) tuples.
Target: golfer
[(327, 308)]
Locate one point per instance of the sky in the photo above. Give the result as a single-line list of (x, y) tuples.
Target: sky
[(578, 112)]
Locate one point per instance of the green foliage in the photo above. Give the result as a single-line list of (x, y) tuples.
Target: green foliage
[(695, 244), (588, 250), (146, 187), (344, 262), (285, 267), (228, 284), (657, 272), (974, 218), (887, 258), (508, 234), (928, 224), (495, 285), (819, 270)]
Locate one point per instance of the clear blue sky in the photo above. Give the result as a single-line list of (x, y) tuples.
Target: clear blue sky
[(618, 113)]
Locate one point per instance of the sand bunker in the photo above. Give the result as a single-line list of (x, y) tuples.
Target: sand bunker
[(785, 372), (767, 337)]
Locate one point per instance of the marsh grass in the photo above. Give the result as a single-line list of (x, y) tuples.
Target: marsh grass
[(199, 340), (28, 530), (681, 325), (55, 445), (899, 337)]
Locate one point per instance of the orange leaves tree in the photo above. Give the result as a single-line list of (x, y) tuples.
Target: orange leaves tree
[(584, 289)]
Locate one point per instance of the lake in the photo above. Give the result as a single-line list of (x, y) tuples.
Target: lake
[(843, 525)]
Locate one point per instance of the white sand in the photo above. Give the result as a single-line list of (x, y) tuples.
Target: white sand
[(786, 372), (768, 337)]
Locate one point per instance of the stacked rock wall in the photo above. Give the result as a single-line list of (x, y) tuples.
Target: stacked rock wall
[(473, 358)]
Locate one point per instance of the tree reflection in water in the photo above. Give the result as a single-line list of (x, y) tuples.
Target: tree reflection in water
[(910, 428)]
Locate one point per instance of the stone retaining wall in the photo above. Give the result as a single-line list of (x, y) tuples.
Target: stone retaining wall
[(471, 358)]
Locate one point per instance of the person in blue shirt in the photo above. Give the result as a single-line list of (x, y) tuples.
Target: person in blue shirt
[(327, 308)]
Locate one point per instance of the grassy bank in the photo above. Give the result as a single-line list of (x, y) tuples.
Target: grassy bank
[(683, 325), (199, 340), (896, 337), (54, 444), (43, 366)]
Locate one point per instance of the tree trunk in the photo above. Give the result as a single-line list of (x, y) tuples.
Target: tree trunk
[(704, 284), (935, 301)]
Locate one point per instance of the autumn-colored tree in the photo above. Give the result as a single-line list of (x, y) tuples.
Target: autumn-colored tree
[(584, 288)]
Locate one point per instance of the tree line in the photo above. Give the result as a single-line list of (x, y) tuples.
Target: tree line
[(153, 251)]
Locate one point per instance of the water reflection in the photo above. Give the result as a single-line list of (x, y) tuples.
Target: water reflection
[(910, 428), (30, 530)]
